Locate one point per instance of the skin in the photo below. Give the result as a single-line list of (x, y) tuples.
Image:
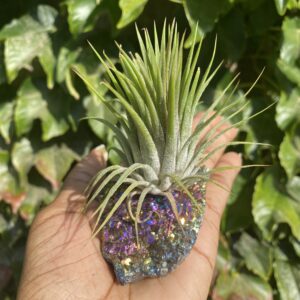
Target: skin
[(63, 262)]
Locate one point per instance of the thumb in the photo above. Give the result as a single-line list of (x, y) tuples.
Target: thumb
[(79, 177)]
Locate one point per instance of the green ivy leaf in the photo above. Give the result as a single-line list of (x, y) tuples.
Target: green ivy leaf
[(34, 197), (263, 16), (66, 59), (285, 278), (22, 159), (9, 189), (33, 103), (47, 16), (271, 206), (205, 14), (271, 133), (78, 13), (238, 211), (233, 285), (289, 156), (290, 49), (296, 245), (6, 116), (26, 38), (290, 71), (288, 109), (281, 6), (131, 9), (293, 187), (258, 257), (94, 108), (19, 27), (54, 162), (231, 32), (47, 61), (29, 106)]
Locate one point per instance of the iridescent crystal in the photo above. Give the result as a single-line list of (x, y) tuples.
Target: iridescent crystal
[(164, 241)]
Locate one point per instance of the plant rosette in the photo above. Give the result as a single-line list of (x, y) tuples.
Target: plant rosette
[(148, 210)]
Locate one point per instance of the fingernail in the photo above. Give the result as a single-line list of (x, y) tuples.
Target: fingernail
[(101, 150)]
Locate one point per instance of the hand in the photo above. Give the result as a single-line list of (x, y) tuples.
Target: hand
[(63, 262)]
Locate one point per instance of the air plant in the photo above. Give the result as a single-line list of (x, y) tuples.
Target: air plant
[(149, 209)]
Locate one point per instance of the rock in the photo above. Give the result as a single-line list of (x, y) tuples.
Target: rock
[(163, 241)]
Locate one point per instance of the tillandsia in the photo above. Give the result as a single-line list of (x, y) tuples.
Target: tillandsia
[(149, 209)]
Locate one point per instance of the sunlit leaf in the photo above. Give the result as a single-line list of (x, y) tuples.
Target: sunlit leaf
[(284, 5), (47, 61), (9, 189), (6, 116), (99, 110), (64, 73), (54, 162), (34, 103), (47, 16), (289, 156), (281, 6), (30, 205), (22, 159), (296, 245), (290, 71), (293, 187), (272, 207), (78, 14), (131, 9), (66, 58), (290, 49), (288, 109), (26, 38)]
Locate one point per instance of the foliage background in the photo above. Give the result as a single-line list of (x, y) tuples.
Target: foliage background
[(41, 102)]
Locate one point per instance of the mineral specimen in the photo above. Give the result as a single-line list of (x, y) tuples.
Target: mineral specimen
[(163, 241)]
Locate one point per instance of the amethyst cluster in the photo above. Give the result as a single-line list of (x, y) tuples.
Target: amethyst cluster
[(164, 241)]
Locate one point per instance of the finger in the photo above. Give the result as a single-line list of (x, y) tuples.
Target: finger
[(207, 242), (228, 136), (217, 195), (209, 126), (81, 175), (216, 199), (213, 155)]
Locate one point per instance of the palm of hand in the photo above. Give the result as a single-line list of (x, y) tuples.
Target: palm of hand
[(63, 262)]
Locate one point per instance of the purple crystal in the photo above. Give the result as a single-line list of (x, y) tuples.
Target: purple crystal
[(163, 241)]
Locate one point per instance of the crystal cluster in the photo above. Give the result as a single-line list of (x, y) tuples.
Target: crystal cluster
[(163, 241)]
